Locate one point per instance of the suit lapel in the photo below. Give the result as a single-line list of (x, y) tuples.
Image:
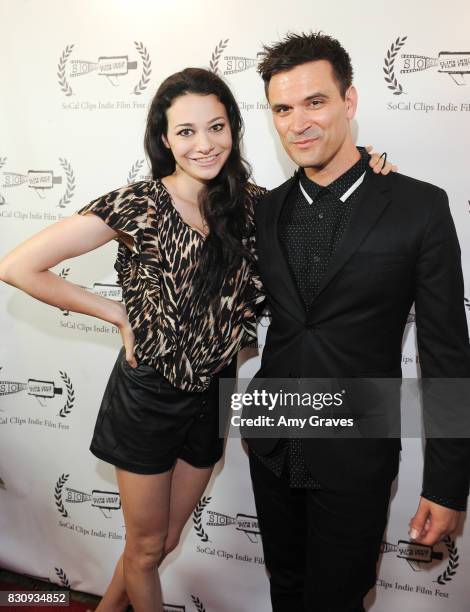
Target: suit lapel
[(286, 291), (373, 200)]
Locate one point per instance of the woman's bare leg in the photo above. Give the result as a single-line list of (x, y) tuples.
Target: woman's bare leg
[(187, 486), (115, 598), (145, 504), (188, 483)]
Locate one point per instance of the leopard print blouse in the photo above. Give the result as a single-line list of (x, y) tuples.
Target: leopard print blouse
[(156, 262)]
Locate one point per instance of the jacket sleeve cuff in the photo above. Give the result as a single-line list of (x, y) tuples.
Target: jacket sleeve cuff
[(455, 503)]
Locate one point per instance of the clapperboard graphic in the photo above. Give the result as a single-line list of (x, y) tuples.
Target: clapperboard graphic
[(415, 554), (236, 63), (40, 389), (112, 67), (243, 522), (454, 63), (105, 501), (41, 181)]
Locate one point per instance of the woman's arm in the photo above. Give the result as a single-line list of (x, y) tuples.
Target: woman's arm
[(27, 268)]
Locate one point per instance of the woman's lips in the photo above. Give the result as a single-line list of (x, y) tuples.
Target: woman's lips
[(206, 161)]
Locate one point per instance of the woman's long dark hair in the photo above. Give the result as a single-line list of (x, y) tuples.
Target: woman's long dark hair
[(223, 201)]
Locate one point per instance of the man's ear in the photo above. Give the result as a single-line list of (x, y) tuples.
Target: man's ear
[(165, 141), (350, 99)]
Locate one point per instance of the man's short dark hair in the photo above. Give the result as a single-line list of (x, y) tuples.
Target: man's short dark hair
[(297, 49)]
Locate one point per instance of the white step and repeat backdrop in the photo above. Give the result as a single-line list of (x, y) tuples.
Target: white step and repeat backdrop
[(77, 78)]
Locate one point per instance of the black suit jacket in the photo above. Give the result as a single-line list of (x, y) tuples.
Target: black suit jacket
[(400, 247)]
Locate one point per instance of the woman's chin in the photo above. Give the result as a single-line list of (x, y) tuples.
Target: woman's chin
[(206, 173)]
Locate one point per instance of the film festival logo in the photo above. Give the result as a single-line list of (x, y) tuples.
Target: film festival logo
[(43, 391), (63, 581), (115, 69), (456, 64), (244, 523), (198, 606), (111, 291), (62, 576), (105, 501), (230, 64), (418, 556), (135, 173), (42, 182)]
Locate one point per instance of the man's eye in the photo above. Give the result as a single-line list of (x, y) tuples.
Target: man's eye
[(315, 102), (185, 132)]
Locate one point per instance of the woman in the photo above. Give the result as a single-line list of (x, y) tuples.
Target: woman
[(190, 292)]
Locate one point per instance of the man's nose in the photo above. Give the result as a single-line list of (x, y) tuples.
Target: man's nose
[(299, 122)]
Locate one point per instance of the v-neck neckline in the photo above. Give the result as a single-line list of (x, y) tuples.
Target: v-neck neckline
[(179, 215)]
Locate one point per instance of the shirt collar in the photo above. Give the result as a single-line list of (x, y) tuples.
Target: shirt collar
[(340, 185)]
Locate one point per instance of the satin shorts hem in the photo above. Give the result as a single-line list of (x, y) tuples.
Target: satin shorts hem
[(137, 468)]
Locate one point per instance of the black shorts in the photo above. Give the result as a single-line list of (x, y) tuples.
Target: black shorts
[(145, 423)]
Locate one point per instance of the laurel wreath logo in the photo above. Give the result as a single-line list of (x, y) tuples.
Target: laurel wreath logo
[(198, 603), (62, 577), (70, 187), (467, 304), (134, 171), (451, 569), (67, 409), (64, 84), (2, 163), (197, 518), (389, 64), (58, 495), (63, 274), (146, 71), (215, 57)]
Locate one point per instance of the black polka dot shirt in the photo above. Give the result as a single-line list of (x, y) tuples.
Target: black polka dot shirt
[(309, 234)]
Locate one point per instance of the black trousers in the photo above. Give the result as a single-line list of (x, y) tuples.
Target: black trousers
[(320, 547)]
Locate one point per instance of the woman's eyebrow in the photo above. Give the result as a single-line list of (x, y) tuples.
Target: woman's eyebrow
[(191, 124)]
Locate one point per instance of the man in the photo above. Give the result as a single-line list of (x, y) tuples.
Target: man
[(343, 254)]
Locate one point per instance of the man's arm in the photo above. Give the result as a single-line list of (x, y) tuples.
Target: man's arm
[(444, 352)]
